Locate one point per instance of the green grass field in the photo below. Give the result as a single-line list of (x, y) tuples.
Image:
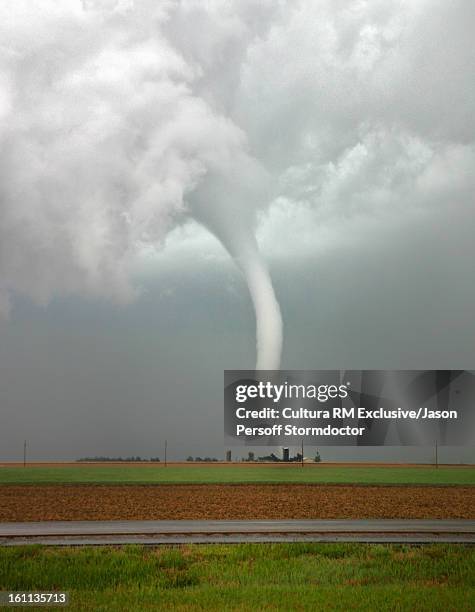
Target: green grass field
[(248, 576), (129, 474)]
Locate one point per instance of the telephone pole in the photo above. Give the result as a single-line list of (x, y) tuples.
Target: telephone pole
[(24, 453), (165, 453)]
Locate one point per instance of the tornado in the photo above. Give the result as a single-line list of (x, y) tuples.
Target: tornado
[(269, 328), (232, 225)]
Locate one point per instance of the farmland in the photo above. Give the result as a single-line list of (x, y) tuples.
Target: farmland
[(236, 473), (233, 491), (241, 576), (249, 576), (233, 502)]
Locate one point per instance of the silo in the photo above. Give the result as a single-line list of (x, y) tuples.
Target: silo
[(285, 453), (228, 455)]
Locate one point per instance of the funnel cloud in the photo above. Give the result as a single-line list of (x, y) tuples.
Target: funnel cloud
[(109, 126)]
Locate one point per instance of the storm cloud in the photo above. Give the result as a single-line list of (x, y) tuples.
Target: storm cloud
[(341, 133)]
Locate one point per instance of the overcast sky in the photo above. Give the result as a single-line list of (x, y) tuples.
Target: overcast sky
[(343, 132)]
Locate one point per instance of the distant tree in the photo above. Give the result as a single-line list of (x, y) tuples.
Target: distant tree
[(317, 458), (250, 456), (198, 459), (270, 457), (189, 458)]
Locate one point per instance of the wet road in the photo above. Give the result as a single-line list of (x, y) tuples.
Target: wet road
[(176, 532)]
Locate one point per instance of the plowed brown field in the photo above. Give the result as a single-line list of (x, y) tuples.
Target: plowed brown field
[(154, 502)]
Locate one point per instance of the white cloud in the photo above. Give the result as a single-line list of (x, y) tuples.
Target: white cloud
[(335, 120)]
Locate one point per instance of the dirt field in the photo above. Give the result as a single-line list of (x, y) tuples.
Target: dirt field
[(144, 502)]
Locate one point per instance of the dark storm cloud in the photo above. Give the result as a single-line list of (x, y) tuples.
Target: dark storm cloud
[(351, 126), (115, 113)]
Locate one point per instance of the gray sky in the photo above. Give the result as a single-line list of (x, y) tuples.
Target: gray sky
[(344, 132)]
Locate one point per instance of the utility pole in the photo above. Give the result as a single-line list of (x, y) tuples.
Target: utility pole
[(436, 457), (302, 453), (165, 453), (24, 453)]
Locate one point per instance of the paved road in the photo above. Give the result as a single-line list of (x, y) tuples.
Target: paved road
[(174, 532)]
